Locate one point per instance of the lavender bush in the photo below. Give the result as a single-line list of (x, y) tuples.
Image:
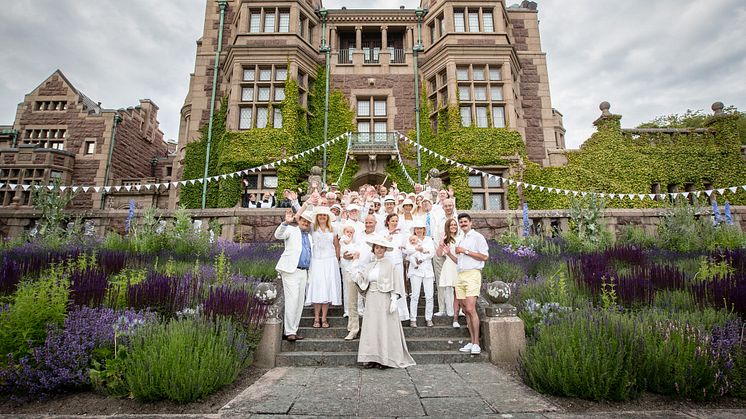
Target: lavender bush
[(63, 361)]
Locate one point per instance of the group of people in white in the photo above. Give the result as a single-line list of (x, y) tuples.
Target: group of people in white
[(369, 251)]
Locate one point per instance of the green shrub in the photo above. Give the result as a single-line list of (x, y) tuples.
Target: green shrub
[(36, 305), (116, 293), (635, 236), (674, 301), (587, 354), (502, 270), (612, 355), (185, 360)]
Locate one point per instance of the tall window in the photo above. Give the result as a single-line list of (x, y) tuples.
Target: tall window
[(458, 21), (473, 21), (255, 25), (263, 85), (487, 22), (481, 95), (269, 21), (284, 21), (372, 118)]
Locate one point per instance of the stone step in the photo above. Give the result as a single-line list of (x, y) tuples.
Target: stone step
[(307, 321), (329, 359), (341, 345), (339, 311), (409, 332)]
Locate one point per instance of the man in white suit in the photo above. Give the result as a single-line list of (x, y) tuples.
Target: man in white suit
[(293, 267)]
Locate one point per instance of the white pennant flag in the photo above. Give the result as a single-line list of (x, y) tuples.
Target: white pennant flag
[(107, 189), (534, 187), (574, 193), (603, 195), (733, 189), (583, 194), (13, 186), (75, 188), (149, 186), (566, 192), (193, 181), (85, 188), (675, 195), (127, 188), (551, 189), (96, 189), (183, 182), (743, 187), (25, 187), (612, 196), (708, 192), (652, 196), (697, 194), (541, 188), (117, 188), (223, 176), (138, 187), (686, 194), (641, 196), (253, 169), (721, 191)]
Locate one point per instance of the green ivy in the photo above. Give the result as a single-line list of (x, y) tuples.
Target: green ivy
[(238, 150), (616, 162)]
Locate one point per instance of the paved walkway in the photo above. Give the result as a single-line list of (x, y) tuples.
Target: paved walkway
[(445, 390)]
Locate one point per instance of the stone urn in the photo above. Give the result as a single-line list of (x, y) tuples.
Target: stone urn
[(497, 292), (267, 292)]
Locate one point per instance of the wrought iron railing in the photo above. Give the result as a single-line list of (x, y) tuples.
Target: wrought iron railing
[(373, 140), (397, 55), (345, 56)]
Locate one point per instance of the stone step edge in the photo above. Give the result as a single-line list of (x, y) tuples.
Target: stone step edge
[(336, 353)]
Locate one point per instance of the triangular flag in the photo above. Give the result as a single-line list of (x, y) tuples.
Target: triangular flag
[(117, 188), (138, 187), (127, 188), (733, 189), (85, 188), (708, 192), (652, 196), (13, 186), (97, 189), (583, 194), (641, 196), (612, 196), (686, 194), (697, 194), (541, 188), (721, 191), (675, 195), (25, 187), (107, 189), (574, 193), (603, 195)]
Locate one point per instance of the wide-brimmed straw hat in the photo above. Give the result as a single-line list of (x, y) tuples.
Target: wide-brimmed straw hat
[(381, 242), (407, 202), (389, 198), (324, 210), (307, 215), (353, 207)]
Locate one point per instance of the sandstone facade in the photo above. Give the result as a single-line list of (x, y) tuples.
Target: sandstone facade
[(59, 133)]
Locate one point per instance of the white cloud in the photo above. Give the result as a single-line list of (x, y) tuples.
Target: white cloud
[(646, 58)]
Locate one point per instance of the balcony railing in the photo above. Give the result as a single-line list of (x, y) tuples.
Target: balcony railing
[(373, 140), (345, 56), (397, 55)]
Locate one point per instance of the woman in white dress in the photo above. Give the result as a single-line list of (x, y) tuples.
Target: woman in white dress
[(420, 250), (393, 235), (406, 218), (382, 342), (449, 272), (324, 283)]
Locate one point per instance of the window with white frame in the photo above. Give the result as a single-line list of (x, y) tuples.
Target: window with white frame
[(375, 122), (468, 20), (265, 85), (481, 98), (284, 22), (255, 21), (277, 120), (473, 21), (488, 192), (269, 21), (487, 23)]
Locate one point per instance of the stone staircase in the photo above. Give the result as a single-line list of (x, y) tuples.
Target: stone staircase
[(326, 347)]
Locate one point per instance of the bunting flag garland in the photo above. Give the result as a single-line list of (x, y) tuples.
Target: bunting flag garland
[(97, 189), (653, 196)]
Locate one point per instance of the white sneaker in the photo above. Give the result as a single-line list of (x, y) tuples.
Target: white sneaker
[(346, 314), (467, 347), (439, 314), (461, 313), (476, 350), (456, 325), (412, 323), (430, 323)]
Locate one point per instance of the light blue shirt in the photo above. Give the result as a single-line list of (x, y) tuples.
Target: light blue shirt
[(305, 254)]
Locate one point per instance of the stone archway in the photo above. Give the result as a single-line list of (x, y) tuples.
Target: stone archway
[(366, 178)]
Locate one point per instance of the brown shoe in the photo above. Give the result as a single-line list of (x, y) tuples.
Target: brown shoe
[(292, 338), (298, 337)]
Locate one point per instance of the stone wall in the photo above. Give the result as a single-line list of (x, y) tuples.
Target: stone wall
[(250, 225)]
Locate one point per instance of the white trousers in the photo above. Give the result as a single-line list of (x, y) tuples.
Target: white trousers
[(447, 293), (402, 302), (352, 299), (294, 289), (417, 283)]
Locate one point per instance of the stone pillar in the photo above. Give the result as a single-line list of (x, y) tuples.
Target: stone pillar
[(294, 17), (409, 39), (359, 38), (243, 19), (384, 37), (333, 38), (270, 344), (504, 338)]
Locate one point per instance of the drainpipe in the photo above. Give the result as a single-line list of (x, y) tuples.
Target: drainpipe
[(326, 49), (415, 50), (117, 121), (223, 4)]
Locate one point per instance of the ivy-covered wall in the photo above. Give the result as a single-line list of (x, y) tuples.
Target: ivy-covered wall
[(238, 150), (612, 161)]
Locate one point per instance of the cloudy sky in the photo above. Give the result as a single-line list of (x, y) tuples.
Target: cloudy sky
[(647, 58)]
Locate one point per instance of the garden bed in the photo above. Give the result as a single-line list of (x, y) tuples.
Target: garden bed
[(90, 403)]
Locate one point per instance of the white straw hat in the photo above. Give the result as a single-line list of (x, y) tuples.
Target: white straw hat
[(381, 242)]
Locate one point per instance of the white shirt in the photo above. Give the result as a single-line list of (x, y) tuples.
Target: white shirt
[(473, 241)]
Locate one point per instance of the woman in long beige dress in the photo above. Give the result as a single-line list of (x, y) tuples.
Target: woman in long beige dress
[(382, 342)]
